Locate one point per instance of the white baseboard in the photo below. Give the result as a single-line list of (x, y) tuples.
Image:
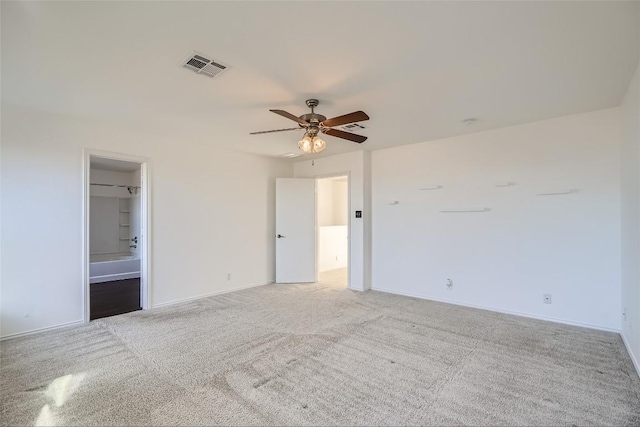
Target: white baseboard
[(164, 304), (500, 310), (48, 328), (226, 291), (631, 354)]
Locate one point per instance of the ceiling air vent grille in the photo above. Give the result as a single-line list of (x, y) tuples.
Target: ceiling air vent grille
[(199, 64), (353, 127)]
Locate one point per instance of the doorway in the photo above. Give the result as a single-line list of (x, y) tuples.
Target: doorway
[(115, 235), (333, 230)]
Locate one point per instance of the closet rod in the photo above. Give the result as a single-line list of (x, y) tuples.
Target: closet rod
[(114, 185)]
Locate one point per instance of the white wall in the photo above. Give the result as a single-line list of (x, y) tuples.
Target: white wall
[(212, 214), (100, 176), (333, 201), (333, 247), (333, 217), (324, 191), (353, 164), (340, 202), (104, 225), (135, 215), (526, 245), (631, 219), (368, 222), (105, 208)]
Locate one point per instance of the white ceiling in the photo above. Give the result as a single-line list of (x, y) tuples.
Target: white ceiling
[(418, 69)]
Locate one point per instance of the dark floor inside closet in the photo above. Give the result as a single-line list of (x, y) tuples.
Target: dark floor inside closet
[(117, 297)]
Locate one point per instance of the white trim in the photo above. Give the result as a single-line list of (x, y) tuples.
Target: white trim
[(631, 355), (164, 304), (146, 232), (146, 235), (45, 329), (349, 240), (226, 291), (113, 277), (500, 310), (86, 194)]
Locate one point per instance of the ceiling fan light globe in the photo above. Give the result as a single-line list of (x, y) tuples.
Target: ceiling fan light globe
[(318, 144), (306, 144)]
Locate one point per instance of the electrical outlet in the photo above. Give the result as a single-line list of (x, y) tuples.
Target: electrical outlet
[(228, 276), (547, 298), (449, 284)]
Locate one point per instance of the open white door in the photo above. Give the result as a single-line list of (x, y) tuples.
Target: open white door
[(295, 230)]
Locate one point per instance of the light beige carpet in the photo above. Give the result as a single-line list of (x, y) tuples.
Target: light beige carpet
[(318, 355), (336, 278)]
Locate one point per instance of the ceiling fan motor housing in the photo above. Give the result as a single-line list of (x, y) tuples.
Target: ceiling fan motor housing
[(313, 118)]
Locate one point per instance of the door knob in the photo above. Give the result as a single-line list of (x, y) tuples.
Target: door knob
[(280, 236)]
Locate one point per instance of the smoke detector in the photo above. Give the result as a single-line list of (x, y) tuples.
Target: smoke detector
[(201, 64)]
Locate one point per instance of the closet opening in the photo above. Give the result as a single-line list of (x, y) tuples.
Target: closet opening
[(333, 230), (116, 244)]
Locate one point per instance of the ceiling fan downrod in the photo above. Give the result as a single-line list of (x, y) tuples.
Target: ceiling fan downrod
[(312, 103)]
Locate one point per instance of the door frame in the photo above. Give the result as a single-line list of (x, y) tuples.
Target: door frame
[(145, 224), (349, 243)]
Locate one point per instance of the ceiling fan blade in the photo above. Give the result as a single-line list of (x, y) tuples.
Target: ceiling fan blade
[(290, 116), (345, 135), (275, 130), (357, 116)]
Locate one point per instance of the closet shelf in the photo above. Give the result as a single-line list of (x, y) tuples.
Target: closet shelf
[(124, 225), (125, 211)]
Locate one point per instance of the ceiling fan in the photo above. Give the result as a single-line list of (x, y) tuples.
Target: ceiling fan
[(314, 123)]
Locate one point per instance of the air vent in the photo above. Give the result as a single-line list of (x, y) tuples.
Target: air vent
[(291, 155), (200, 64), (353, 127)]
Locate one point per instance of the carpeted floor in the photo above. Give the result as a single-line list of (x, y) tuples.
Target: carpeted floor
[(337, 278), (318, 355)]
